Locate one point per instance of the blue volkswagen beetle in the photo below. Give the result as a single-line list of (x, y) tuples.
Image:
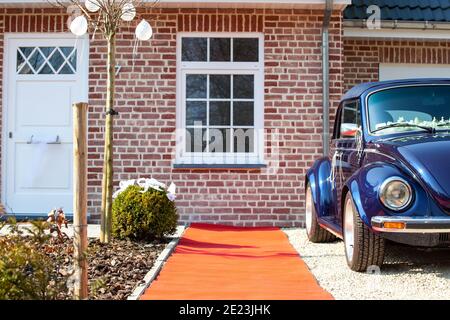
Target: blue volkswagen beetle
[(387, 175)]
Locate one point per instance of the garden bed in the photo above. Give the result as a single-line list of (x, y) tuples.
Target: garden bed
[(36, 258), (114, 269)]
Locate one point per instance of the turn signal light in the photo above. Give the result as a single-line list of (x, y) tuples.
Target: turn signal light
[(394, 225)]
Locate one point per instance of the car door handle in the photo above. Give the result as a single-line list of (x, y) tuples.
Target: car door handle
[(31, 139), (57, 141)]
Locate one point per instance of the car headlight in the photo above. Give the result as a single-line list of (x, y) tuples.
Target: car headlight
[(395, 193)]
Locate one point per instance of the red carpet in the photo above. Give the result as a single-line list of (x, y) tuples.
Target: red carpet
[(214, 262)]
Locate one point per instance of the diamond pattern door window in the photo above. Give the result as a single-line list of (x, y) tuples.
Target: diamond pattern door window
[(46, 60)]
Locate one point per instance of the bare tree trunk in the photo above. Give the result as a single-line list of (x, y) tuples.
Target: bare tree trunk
[(80, 200), (108, 173)]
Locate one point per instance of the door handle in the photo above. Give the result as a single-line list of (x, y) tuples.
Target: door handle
[(57, 141), (31, 140)]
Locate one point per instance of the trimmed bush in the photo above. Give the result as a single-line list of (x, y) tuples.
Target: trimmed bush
[(141, 215)]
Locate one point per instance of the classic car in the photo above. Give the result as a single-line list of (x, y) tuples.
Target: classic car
[(387, 175)]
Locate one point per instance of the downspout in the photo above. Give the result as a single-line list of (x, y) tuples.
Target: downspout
[(326, 77)]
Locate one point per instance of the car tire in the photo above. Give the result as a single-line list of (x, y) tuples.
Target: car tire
[(314, 231), (363, 248)]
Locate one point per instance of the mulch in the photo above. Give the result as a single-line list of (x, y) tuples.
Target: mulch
[(114, 269)]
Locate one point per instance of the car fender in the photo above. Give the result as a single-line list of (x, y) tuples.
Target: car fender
[(364, 187), (318, 177)]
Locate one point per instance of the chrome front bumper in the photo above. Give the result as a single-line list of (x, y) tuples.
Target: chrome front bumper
[(411, 224)]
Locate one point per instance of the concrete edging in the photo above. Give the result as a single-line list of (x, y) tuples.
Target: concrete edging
[(157, 266)]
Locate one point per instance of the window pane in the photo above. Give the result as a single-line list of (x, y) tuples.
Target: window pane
[(219, 113), (219, 86), (26, 51), (66, 70), (57, 60), (66, 50), (426, 105), (36, 60), (47, 51), (195, 113), (26, 70), (243, 114), (194, 49), (219, 140), (243, 87), (244, 140), (195, 140), (245, 49), (350, 120), (20, 61), (220, 49), (196, 86), (46, 70), (73, 60)]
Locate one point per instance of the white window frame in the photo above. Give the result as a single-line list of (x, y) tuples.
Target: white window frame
[(234, 68)]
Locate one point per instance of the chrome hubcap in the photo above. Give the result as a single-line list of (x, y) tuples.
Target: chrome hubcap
[(349, 232), (308, 210)]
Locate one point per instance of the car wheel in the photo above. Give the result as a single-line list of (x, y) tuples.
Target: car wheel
[(363, 248), (314, 231)]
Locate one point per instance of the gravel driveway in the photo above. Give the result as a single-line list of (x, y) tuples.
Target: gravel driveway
[(407, 273)]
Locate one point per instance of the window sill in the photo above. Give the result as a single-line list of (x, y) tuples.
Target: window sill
[(218, 166)]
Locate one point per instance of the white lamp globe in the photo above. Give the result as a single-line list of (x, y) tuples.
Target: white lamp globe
[(144, 30), (128, 12), (92, 5), (79, 26)]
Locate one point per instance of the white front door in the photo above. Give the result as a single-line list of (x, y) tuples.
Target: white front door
[(45, 74)]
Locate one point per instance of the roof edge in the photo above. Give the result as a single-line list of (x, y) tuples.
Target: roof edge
[(307, 4), (399, 24)]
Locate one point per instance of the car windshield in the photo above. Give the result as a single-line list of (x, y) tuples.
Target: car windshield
[(411, 108)]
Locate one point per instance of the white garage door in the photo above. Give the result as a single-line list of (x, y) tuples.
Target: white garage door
[(408, 71), (45, 75)]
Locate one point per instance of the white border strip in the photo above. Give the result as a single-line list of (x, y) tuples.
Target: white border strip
[(157, 266), (298, 2), (352, 32)]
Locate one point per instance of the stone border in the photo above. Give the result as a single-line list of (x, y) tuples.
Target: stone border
[(157, 266)]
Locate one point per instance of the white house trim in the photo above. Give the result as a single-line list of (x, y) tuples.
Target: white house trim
[(256, 68), (338, 4), (407, 33)]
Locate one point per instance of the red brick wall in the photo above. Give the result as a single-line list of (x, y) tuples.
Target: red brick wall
[(363, 57), (2, 32), (146, 100)]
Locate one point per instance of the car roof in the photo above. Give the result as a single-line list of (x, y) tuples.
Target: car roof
[(368, 87)]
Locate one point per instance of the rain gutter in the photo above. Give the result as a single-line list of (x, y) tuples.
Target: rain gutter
[(326, 77)]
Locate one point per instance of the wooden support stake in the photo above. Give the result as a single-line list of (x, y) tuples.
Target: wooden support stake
[(80, 199)]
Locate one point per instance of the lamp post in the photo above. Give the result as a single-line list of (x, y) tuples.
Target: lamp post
[(107, 16)]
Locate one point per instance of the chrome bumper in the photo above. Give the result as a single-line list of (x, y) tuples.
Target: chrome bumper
[(412, 224)]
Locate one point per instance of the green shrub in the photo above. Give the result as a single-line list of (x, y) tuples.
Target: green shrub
[(26, 271), (143, 215)]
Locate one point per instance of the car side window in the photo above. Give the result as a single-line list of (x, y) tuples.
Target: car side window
[(350, 120)]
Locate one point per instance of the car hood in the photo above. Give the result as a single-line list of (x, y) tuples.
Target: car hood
[(428, 156)]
